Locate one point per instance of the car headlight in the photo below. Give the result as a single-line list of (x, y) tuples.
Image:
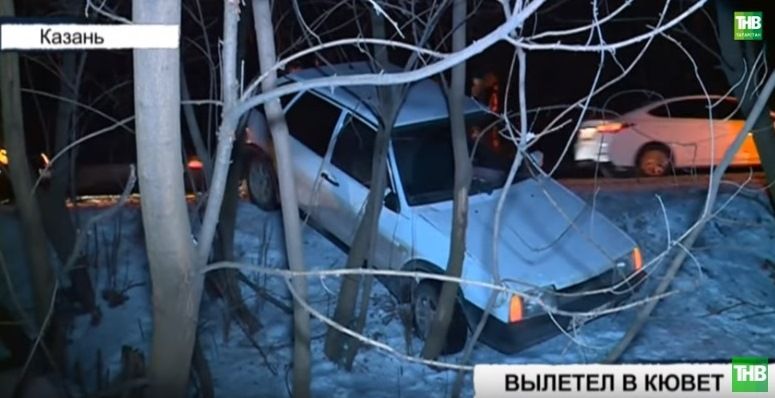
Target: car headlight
[(534, 302)]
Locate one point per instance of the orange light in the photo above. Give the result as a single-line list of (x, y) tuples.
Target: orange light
[(195, 164), (748, 153), (3, 157), (637, 259), (515, 309), (610, 127)]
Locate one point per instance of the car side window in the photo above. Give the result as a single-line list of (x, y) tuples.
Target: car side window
[(727, 109), (662, 110), (354, 150), (312, 120)]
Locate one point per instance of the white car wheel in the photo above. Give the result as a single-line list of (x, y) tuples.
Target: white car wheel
[(262, 184)]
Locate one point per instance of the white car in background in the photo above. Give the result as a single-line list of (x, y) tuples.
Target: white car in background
[(675, 133), (552, 246)]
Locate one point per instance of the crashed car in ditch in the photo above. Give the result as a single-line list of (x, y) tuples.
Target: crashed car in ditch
[(553, 248)]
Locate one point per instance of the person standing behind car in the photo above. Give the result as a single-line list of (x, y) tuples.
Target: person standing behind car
[(485, 88)]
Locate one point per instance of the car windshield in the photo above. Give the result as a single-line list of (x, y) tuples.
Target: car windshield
[(426, 162)]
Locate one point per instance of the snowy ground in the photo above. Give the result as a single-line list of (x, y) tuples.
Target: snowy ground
[(725, 306)]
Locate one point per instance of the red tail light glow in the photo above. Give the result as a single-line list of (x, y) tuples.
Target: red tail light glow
[(195, 164), (612, 127)]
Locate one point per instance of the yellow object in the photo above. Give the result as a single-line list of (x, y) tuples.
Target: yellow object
[(3, 157)]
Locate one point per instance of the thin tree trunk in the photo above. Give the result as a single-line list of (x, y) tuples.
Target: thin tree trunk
[(226, 280), (223, 192), (337, 343), (21, 180), (226, 130), (193, 129), (176, 283), (57, 220), (448, 297), (262, 15)]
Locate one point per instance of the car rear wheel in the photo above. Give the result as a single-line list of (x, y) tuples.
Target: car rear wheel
[(262, 183), (654, 161), (425, 301)]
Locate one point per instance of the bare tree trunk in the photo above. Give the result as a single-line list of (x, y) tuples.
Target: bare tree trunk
[(225, 280), (363, 242), (226, 130), (21, 180), (262, 15), (177, 284), (733, 64), (229, 285), (456, 94), (57, 220), (193, 129)]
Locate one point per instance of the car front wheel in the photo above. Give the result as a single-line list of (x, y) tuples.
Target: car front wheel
[(425, 302), (262, 183)]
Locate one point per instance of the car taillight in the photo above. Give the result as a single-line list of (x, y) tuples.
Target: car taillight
[(515, 309), (612, 127), (195, 164)]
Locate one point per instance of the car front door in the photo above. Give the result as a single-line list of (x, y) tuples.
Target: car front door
[(685, 126), (351, 163)]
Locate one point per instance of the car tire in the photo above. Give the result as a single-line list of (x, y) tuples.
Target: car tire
[(425, 300), (262, 183), (654, 161)]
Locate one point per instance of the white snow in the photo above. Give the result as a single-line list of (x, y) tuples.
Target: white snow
[(725, 306)]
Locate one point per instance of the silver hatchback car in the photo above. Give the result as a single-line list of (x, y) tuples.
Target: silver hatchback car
[(553, 247)]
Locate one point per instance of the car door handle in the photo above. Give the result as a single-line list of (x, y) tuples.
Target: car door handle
[(329, 178)]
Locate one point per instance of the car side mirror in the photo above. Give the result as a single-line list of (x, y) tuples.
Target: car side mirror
[(391, 201)]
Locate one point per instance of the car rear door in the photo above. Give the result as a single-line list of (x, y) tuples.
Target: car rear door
[(312, 122)]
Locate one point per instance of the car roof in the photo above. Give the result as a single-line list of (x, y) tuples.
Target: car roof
[(712, 97), (424, 102)]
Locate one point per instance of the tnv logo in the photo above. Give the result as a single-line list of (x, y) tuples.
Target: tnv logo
[(748, 25)]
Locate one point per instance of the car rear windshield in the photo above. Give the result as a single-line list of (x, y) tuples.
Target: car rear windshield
[(426, 162)]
